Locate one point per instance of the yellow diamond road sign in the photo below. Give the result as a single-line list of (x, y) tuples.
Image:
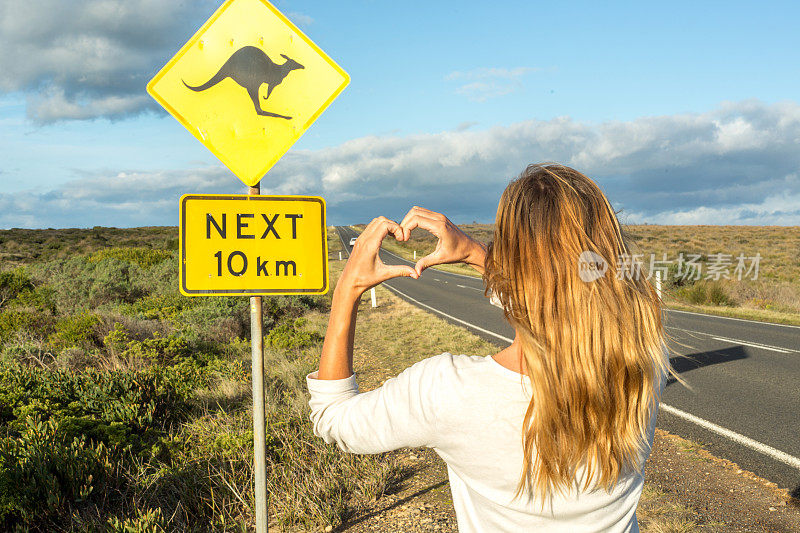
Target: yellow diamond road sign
[(248, 85), (240, 244)]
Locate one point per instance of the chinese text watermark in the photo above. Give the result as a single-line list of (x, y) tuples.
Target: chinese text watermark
[(686, 267)]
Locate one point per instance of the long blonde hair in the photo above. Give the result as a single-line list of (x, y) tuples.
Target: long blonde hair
[(593, 349)]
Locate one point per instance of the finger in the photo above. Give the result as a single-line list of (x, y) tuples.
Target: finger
[(371, 226), (380, 227), (390, 226), (413, 211), (417, 211), (396, 271), (419, 221), (427, 261), (407, 233), (428, 213)]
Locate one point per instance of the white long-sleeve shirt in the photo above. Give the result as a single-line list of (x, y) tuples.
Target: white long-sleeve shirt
[(469, 409)]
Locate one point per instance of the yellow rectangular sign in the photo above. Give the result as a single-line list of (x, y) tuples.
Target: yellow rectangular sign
[(238, 244), (248, 84)]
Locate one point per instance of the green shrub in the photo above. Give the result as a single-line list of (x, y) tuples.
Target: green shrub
[(117, 339), (124, 408), (156, 349), (77, 284), (159, 349), (695, 293), (673, 280), (39, 299), (292, 336), (45, 472), (203, 317), (75, 331), (161, 279), (705, 293), (150, 521), (717, 294), (12, 283), (113, 281), (34, 322), (158, 306), (144, 257)]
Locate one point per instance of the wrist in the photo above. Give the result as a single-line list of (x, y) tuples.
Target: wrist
[(477, 255), (346, 293)]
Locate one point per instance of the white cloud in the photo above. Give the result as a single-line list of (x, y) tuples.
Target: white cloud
[(485, 83), (80, 59), (738, 164), (782, 208), (52, 105)]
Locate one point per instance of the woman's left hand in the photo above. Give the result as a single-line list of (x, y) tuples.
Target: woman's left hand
[(364, 268)]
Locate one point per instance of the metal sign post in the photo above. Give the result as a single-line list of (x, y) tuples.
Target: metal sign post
[(247, 85), (259, 414)]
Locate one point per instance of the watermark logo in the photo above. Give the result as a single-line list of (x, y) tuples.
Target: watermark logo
[(685, 268), (689, 267), (591, 266)]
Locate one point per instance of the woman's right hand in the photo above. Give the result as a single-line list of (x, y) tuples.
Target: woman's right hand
[(454, 246)]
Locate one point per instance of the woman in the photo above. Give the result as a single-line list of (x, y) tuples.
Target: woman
[(551, 433)]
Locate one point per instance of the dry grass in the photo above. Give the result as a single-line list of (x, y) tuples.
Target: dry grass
[(659, 513), (334, 244), (774, 296)]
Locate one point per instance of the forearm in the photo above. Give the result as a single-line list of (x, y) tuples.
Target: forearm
[(336, 361)]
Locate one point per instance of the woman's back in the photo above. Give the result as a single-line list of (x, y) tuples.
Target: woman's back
[(469, 409)]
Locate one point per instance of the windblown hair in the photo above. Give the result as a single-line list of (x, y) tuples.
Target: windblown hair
[(593, 350)]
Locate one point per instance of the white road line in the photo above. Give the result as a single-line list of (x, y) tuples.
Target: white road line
[(753, 345), (747, 442), (451, 317), (472, 288), (736, 437), (779, 349), (343, 244), (736, 319)]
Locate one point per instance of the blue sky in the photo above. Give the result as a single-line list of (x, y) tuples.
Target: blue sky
[(683, 112)]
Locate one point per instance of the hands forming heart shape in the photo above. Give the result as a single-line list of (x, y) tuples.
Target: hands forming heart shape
[(364, 268)]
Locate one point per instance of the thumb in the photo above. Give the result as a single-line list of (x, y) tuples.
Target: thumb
[(396, 271), (425, 262)]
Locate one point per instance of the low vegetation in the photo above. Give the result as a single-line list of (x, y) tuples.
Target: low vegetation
[(125, 406)]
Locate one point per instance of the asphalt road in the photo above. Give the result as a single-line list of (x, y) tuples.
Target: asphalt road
[(743, 403)]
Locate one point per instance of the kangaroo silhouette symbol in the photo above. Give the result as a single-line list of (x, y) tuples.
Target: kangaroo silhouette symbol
[(250, 67)]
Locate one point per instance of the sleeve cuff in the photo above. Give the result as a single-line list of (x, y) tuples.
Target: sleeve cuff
[(330, 385)]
